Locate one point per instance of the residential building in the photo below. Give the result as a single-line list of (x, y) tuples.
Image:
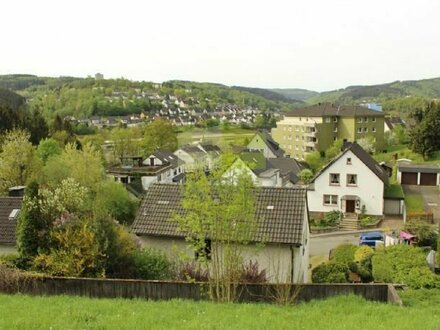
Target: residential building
[(262, 141), (138, 171), (203, 156), (267, 172), (9, 211), (410, 173), (351, 183), (314, 128), (281, 243)]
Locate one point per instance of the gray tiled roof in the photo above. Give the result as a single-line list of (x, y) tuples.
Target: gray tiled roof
[(415, 167), (7, 226), (280, 213), (329, 109), (272, 144)]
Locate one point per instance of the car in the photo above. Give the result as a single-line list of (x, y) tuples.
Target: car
[(372, 239)]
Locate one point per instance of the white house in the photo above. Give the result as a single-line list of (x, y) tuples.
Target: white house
[(199, 156), (349, 183), (280, 245)]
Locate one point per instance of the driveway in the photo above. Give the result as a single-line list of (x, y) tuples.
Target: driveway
[(321, 246), (431, 197)]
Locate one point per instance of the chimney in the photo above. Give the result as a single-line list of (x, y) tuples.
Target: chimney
[(17, 191)]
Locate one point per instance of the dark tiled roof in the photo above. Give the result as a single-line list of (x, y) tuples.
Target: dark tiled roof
[(7, 226), (272, 144), (328, 109), (169, 157), (280, 213), (364, 156)]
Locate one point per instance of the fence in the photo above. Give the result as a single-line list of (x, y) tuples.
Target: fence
[(161, 290), (425, 216)]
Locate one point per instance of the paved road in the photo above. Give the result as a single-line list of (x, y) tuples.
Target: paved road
[(321, 246)]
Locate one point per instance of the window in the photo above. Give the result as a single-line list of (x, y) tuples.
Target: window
[(205, 251), (335, 130), (335, 119), (373, 129), (359, 129), (366, 119), (296, 148), (348, 161), (328, 120), (351, 180), (297, 138), (365, 129), (300, 118), (334, 179), (373, 119), (330, 199), (359, 120)]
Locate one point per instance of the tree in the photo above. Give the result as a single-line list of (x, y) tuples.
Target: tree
[(315, 160), (17, 162), (334, 150), (219, 221), (85, 166), (48, 148), (160, 134), (368, 143), (126, 142), (305, 175), (425, 136)]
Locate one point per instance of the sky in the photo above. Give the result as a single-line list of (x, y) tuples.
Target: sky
[(314, 44)]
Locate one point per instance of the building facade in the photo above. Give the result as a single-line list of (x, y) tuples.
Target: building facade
[(315, 128)]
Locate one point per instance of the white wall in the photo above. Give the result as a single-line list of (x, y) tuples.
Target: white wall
[(275, 258), (369, 187)]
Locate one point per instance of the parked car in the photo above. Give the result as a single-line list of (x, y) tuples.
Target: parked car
[(372, 239)]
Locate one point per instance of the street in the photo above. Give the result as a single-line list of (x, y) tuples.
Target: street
[(321, 246)]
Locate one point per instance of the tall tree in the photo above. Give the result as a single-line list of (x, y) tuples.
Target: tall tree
[(160, 134), (425, 136), (220, 221)]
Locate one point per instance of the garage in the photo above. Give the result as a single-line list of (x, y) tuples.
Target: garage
[(428, 179), (409, 178), (392, 206)]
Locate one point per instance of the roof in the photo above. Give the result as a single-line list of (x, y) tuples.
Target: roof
[(280, 213), (330, 109), (391, 122), (7, 226), (169, 157), (415, 168), (271, 144), (365, 158)]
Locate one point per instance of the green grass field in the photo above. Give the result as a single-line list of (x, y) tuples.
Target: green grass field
[(216, 135), (345, 312), (414, 203), (403, 151)]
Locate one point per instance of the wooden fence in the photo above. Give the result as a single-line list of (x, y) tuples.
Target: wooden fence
[(162, 290), (425, 216)]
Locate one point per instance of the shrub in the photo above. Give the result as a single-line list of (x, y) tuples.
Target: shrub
[(330, 272), (151, 264), (10, 260), (252, 274), (426, 235), (343, 253), (332, 218), (403, 264), (363, 254), (192, 271)]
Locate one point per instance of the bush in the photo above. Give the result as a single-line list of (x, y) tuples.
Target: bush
[(331, 272), (252, 274), (426, 235), (151, 264), (10, 260), (192, 271), (403, 264), (332, 218), (343, 253), (363, 254)]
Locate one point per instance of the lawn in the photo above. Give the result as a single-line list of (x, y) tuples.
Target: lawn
[(216, 135), (403, 151), (414, 203), (344, 312)]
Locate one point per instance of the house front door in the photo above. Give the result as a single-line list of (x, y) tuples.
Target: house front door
[(349, 206)]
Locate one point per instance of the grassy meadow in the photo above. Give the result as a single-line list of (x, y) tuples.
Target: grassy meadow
[(344, 312)]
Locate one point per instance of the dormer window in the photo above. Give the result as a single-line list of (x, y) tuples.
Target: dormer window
[(349, 161)]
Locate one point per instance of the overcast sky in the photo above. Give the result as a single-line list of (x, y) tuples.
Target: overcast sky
[(313, 44)]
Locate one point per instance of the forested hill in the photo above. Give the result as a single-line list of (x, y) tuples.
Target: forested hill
[(426, 88), (295, 93), (273, 95), (10, 99), (86, 97)]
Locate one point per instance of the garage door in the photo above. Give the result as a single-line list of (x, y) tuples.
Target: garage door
[(409, 178), (392, 207), (428, 179)]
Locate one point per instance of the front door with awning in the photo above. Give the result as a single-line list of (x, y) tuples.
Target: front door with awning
[(349, 202)]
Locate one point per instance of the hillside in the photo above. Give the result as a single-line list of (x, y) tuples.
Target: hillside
[(426, 88), (269, 94), (86, 97), (295, 93)]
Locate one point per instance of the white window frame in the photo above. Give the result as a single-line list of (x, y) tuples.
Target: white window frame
[(334, 183), (359, 130), (373, 119), (332, 200), (355, 179)]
